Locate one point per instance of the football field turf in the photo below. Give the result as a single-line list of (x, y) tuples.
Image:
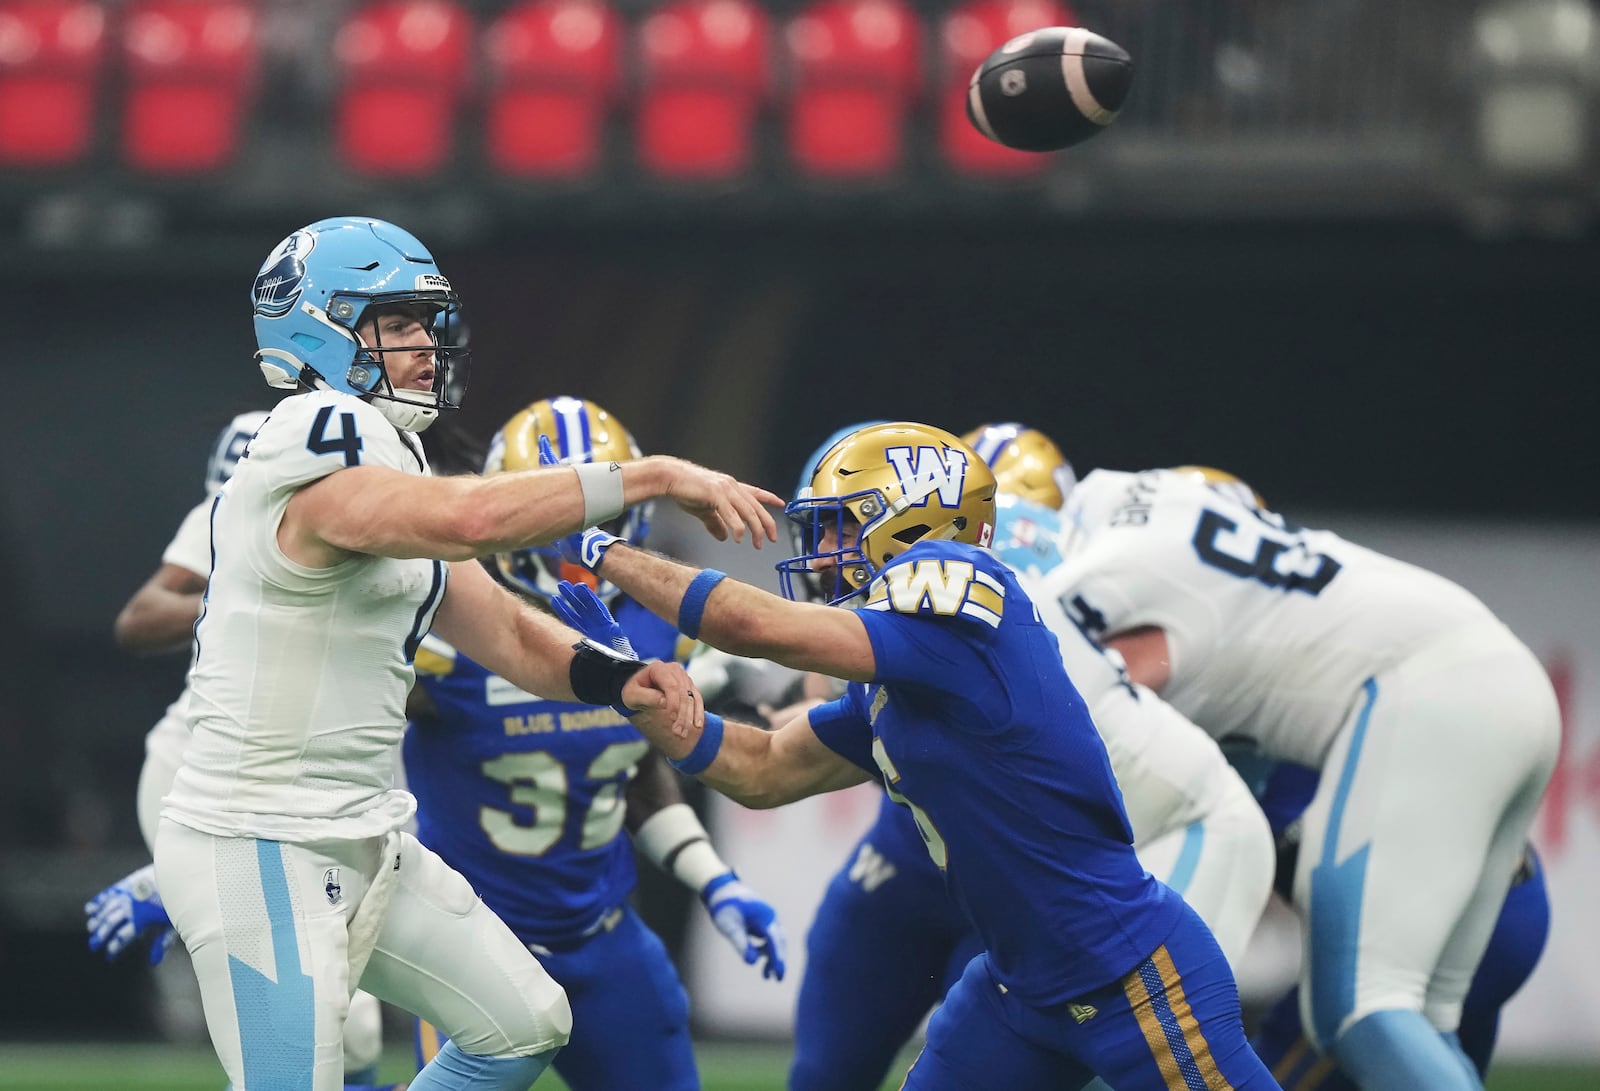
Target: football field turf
[(72, 1066)]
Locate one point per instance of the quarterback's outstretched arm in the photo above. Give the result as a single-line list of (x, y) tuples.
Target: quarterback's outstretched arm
[(377, 510), (742, 619), (535, 652)]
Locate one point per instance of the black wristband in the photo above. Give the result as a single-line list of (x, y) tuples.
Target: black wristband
[(597, 674)]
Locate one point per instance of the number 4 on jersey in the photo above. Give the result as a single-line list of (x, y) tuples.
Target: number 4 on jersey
[(348, 443)]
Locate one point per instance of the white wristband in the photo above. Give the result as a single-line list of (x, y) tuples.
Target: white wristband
[(678, 844), (601, 483)]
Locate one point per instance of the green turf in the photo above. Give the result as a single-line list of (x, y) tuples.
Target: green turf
[(724, 1067)]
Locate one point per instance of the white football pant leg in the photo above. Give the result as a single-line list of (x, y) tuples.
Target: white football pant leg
[(264, 923), (445, 956), (163, 753), (1412, 838), (1222, 864)]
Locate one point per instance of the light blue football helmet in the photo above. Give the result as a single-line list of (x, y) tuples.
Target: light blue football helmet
[(312, 293), (230, 448)]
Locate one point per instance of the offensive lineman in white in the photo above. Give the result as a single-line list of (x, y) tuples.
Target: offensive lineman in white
[(1435, 730), (280, 853)]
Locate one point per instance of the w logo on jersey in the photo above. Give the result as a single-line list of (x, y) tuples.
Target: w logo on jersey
[(929, 470), (940, 585), (277, 286)]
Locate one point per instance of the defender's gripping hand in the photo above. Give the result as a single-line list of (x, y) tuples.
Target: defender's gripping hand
[(586, 547), (124, 911), (578, 606), (750, 924)]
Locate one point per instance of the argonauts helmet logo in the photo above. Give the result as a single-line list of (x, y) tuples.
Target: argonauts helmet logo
[(278, 284)]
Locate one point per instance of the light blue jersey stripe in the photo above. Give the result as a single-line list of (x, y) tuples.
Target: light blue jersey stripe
[(1337, 891), (1194, 839)]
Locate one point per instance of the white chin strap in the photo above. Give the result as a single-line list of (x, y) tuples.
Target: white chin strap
[(408, 410)]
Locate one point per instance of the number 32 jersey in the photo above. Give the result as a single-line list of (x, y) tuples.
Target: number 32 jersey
[(524, 796), (1271, 627)]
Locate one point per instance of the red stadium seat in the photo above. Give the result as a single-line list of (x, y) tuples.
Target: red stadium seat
[(969, 32), (405, 69), (705, 71), (856, 68), (50, 59), (555, 69), (191, 70)]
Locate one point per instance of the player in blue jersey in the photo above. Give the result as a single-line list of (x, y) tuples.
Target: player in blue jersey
[(961, 704), (1285, 790), (886, 943), (528, 799)]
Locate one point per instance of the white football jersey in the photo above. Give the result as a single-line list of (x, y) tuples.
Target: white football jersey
[(298, 689), (1171, 774), (1271, 628)]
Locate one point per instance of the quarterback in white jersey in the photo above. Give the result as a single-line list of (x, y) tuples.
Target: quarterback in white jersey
[(281, 853), (1435, 730), (160, 617)]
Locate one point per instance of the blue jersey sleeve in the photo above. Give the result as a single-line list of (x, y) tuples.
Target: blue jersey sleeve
[(843, 727)]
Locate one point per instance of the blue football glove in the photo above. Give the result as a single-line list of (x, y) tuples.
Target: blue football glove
[(750, 924), (581, 608), (127, 909), (586, 547)]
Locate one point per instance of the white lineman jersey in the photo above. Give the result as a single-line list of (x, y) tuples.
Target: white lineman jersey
[(297, 693), (1271, 628)]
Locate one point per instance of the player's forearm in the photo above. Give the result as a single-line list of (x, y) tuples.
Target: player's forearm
[(459, 518), (158, 619), (735, 617)]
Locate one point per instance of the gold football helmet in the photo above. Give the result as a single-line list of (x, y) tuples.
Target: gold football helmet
[(878, 491), (1225, 483), (1025, 461), (579, 431)]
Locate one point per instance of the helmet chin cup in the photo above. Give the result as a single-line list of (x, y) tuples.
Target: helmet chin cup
[(408, 410)]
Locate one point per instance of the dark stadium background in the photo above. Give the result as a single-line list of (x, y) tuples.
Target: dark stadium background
[(1340, 341)]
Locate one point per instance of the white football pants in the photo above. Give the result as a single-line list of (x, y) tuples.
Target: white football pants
[(275, 930), (1417, 826)]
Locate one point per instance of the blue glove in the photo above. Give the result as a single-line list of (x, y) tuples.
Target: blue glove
[(127, 909), (750, 924), (587, 547), (581, 608)]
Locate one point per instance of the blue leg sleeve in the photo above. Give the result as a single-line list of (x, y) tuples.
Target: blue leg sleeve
[(453, 1070), (1400, 1051)]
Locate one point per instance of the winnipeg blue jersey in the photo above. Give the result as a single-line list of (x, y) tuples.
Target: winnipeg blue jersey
[(524, 796), (972, 722)]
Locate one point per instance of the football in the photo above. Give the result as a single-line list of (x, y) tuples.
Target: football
[(1049, 89)]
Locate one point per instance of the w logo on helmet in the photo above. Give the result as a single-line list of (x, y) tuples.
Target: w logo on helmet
[(929, 470), (277, 286)]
